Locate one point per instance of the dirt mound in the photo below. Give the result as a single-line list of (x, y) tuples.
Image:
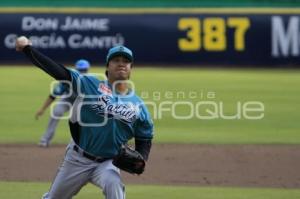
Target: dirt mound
[(197, 165)]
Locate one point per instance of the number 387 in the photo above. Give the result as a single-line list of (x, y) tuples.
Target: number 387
[(213, 35)]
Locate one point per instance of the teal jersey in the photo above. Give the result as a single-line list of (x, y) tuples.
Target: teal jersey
[(60, 89), (107, 120), (63, 90)]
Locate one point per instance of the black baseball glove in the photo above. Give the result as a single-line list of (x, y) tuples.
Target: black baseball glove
[(129, 160)]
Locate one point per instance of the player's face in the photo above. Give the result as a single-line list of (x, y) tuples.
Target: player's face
[(119, 68)]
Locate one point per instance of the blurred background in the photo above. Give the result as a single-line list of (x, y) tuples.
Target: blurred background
[(220, 78), (168, 33)]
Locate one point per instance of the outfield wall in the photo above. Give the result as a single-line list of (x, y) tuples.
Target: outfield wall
[(151, 3), (200, 36)]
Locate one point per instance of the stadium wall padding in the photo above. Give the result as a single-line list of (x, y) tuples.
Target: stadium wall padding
[(151, 3), (233, 37)]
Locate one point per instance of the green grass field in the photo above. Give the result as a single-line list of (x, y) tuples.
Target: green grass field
[(23, 90), (13, 190)]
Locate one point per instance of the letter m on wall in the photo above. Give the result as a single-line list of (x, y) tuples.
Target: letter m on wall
[(285, 37)]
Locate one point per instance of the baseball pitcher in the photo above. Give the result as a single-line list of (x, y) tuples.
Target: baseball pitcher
[(106, 114)]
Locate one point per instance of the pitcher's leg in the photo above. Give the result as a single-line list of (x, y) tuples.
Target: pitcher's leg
[(108, 178), (113, 186), (71, 177)]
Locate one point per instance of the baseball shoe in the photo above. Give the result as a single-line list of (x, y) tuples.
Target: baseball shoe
[(43, 144)]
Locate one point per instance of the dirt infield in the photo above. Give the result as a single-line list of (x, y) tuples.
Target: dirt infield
[(197, 165)]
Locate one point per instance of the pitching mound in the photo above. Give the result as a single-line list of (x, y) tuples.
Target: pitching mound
[(197, 165)]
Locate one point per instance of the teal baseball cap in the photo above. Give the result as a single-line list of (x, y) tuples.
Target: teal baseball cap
[(119, 51), (82, 64)]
